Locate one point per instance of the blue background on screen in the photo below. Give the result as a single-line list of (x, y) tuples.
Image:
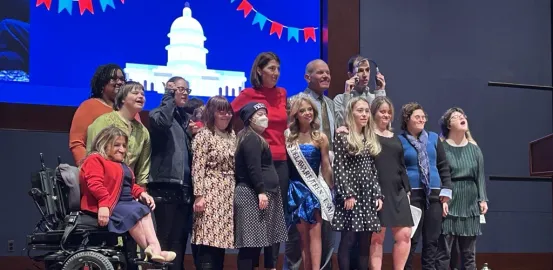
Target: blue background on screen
[(66, 49)]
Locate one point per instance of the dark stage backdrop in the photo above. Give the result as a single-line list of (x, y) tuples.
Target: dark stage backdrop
[(441, 54)]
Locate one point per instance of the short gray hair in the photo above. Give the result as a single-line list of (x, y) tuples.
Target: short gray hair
[(124, 92)]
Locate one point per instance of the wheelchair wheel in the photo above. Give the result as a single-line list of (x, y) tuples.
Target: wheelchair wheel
[(88, 260)]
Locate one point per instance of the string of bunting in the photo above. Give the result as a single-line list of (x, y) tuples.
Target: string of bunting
[(84, 5), (276, 27)]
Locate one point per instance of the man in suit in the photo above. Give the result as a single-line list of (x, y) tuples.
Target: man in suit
[(317, 75)]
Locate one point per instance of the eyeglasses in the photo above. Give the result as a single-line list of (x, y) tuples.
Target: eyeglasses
[(117, 79), (182, 90), (457, 117), (225, 113), (419, 117)]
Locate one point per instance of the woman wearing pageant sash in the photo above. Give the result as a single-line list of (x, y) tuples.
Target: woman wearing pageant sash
[(258, 211), (309, 196), (396, 212), (358, 195)]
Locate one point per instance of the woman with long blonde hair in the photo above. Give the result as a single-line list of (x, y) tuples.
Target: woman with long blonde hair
[(309, 196), (358, 194)]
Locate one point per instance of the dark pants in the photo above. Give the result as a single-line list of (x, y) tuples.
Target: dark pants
[(467, 250), (430, 227), (361, 258), (293, 257), (455, 262), (209, 258), (173, 222), (248, 257)]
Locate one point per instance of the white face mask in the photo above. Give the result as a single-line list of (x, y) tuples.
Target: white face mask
[(262, 121)]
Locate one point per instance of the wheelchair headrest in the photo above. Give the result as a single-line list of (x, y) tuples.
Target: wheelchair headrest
[(69, 176)]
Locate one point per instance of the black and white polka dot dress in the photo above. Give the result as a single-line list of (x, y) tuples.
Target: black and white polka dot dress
[(355, 176)]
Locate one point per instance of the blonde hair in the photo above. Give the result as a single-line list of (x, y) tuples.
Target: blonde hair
[(367, 140), (293, 123), (105, 139), (445, 121), (379, 101)]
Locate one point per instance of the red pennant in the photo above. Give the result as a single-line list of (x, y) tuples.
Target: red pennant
[(47, 3), (86, 5), (309, 33), (276, 28), (246, 7)]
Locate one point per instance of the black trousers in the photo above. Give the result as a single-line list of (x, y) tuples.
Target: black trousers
[(173, 225), (209, 258), (455, 262), (430, 228), (293, 257), (359, 260), (248, 257), (467, 250)]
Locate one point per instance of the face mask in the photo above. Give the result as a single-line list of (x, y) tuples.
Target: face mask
[(262, 121)]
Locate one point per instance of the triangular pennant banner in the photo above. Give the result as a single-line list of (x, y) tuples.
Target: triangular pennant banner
[(293, 33), (276, 28), (259, 19), (47, 3), (309, 33), (65, 5), (246, 7), (105, 3), (85, 5)]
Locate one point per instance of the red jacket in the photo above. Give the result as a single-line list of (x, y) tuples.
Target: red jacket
[(101, 181), (275, 101)]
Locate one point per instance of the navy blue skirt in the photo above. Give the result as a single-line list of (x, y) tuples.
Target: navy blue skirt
[(128, 211)]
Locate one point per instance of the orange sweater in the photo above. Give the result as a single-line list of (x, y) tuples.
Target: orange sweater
[(86, 113)]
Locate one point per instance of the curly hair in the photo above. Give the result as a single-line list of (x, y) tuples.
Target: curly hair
[(293, 123), (445, 121), (406, 112), (102, 77)]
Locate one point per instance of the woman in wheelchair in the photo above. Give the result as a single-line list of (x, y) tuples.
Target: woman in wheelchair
[(108, 189)]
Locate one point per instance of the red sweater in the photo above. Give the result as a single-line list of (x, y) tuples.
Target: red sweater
[(101, 181), (275, 100)]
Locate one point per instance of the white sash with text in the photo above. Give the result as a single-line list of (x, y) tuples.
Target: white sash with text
[(317, 185)]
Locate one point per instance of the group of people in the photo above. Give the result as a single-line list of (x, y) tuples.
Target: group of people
[(267, 169)]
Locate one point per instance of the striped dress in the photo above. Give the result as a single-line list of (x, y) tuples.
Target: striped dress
[(469, 188)]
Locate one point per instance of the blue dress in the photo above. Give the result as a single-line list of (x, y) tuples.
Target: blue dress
[(302, 203), (128, 211)]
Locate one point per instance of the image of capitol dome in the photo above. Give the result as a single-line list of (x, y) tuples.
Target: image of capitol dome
[(186, 57)]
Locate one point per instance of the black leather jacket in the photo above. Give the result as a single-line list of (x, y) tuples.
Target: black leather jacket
[(171, 151)]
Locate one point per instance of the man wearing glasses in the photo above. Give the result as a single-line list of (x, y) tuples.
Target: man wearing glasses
[(170, 183)]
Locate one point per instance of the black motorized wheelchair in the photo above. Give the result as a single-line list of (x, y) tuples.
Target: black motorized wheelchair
[(70, 239)]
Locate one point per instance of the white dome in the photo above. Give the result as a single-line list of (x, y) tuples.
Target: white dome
[(186, 23)]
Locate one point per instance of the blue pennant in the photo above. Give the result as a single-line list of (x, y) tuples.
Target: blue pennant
[(65, 4), (259, 19), (293, 33), (106, 3)]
